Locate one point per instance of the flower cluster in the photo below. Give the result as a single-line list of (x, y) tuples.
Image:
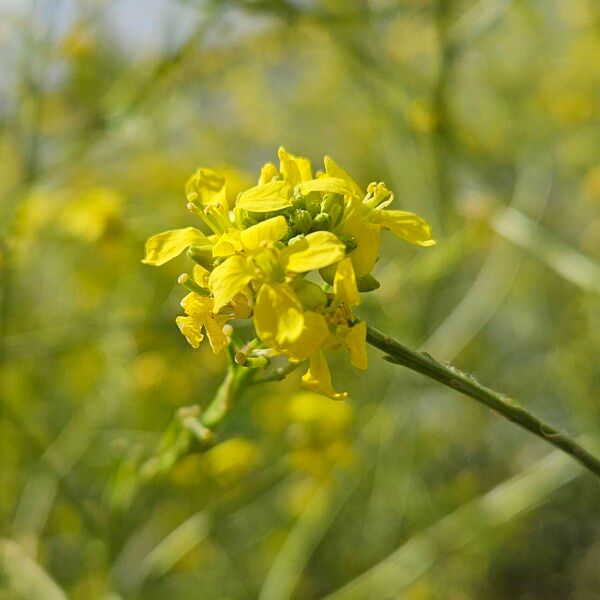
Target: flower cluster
[(259, 261)]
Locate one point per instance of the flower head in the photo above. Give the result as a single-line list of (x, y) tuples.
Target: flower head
[(256, 260)]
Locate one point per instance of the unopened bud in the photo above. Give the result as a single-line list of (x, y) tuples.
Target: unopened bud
[(322, 222), (202, 255), (302, 221), (298, 201), (313, 203), (310, 294), (331, 200)]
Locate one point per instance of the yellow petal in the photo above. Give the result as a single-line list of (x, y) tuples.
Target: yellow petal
[(278, 315), (201, 275), (317, 250), (334, 170), (207, 187), (162, 247), (368, 240), (405, 225), (264, 198), (267, 173), (344, 285), (265, 233), (318, 378), (313, 336), (228, 243), (214, 332), (190, 327), (356, 341), (330, 185), (228, 279), (294, 168), (194, 304)]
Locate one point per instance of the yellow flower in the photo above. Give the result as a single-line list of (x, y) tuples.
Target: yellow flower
[(365, 215), (258, 257), (199, 316), (333, 327)]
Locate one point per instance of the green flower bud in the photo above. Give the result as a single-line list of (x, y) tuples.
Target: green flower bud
[(302, 221), (331, 200), (310, 294), (322, 222), (298, 201), (367, 283), (335, 213), (295, 239), (203, 256), (313, 203)]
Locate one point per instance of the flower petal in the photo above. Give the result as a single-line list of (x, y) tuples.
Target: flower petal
[(405, 225), (191, 328), (313, 336), (228, 243), (344, 285), (228, 279), (207, 188), (214, 332), (267, 173), (334, 170), (264, 233), (278, 315), (264, 198), (331, 185), (317, 250), (318, 378), (356, 342), (294, 168), (162, 247), (368, 240)]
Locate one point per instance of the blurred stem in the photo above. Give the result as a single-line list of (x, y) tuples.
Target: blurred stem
[(451, 377), (235, 381)]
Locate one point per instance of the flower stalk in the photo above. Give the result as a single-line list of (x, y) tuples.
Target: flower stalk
[(421, 362)]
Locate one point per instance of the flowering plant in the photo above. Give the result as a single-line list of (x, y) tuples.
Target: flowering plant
[(260, 259), (294, 254)]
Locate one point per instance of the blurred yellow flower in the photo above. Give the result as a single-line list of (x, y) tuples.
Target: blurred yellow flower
[(231, 459)]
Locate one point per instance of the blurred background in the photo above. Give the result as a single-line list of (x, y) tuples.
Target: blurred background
[(483, 117)]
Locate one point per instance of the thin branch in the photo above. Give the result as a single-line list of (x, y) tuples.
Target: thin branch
[(451, 377)]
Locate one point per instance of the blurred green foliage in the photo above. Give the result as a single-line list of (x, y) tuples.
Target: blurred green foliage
[(483, 116)]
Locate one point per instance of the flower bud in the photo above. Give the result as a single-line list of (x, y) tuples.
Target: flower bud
[(322, 222), (331, 200), (298, 201), (310, 294), (302, 221), (202, 255), (313, 203)]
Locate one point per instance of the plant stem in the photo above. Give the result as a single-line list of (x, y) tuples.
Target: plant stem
[(235, 381), (451, 377)]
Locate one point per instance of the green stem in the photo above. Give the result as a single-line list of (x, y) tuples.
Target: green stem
[(235, 381), (450, 377)]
